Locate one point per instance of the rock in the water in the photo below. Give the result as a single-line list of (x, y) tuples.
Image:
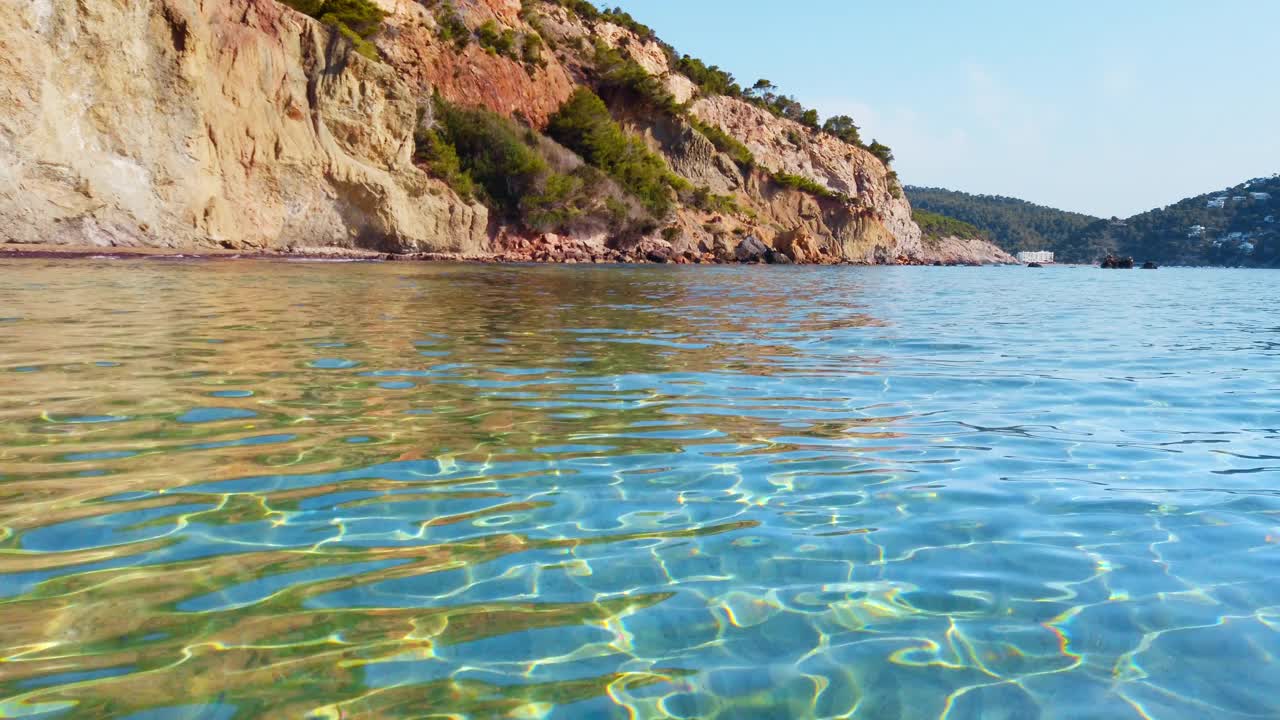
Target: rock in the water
[(773, 257), (751, 250), (1115, 262), (1148, 265)]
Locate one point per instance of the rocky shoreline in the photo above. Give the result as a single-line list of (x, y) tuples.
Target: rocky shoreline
[(567, 252)]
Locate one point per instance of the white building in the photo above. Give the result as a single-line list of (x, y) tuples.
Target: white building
[(1043, 256), (1218, 203), (1196, 231), (1260, 195)]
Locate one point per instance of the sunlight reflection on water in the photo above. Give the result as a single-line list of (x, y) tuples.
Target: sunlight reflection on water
[(247, 489)]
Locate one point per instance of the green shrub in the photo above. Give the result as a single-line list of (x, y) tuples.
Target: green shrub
[(617, 72), (803, 184), (619, 214), (494, 152), (842, 127), (710, 80), (509, 44), (442, 161), (619, 17), (553, 203), (362, 16), (306, 7), (539, 35), (725, 143), (583, 124), (935, 227), (582, 8), (362, 46), (707, 201), (451, 27), (531, 51), (487, 35), (765, 94), (497, 41), (480, 153), (895, 185), (356, 20), (529, 11), (881, 151), (589, 12)]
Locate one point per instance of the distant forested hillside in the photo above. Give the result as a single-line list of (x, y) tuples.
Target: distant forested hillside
[(1015, 225), (935, 226), (1236, 226)]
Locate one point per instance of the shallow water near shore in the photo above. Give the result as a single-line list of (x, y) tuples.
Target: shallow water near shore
[(263, 489)]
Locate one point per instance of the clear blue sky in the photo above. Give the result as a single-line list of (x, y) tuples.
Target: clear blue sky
[(1110, 108)]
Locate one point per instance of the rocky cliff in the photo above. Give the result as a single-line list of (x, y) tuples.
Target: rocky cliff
[(205, 123), (244, 124)]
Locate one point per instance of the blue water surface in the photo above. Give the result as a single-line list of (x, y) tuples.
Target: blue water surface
[(641, 492)]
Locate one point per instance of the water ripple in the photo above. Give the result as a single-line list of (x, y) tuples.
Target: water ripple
[(637, 492)]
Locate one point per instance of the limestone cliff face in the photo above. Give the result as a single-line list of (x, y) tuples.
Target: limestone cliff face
[(781, 145), (199, 123), (243, 124), (875, 227)]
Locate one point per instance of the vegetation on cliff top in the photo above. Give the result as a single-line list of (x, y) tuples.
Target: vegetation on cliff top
[(711, 80), (357, 20), (585, 125), (618, 74)]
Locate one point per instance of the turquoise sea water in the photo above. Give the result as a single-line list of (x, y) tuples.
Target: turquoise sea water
[(234, 490)]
